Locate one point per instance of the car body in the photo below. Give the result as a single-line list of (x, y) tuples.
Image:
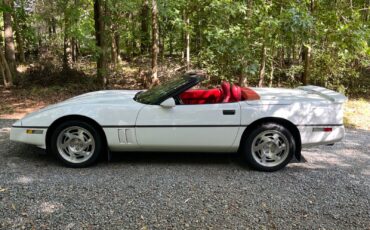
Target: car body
[(174, 117)]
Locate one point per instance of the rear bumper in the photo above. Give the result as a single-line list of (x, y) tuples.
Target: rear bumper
[(37, 137), (311, 135)]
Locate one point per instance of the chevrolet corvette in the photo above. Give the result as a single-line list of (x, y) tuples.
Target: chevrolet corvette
[(267, 126)]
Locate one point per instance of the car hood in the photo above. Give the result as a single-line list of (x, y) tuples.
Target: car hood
[(103, 96), (88, 104), (98, 97)]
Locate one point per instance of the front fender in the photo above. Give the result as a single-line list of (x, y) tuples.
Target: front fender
[(104, 115)]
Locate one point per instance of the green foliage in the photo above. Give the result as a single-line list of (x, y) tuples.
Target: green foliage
[(226, 37)]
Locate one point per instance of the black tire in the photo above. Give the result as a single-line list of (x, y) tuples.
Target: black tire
[(95, 135), (247, 142)]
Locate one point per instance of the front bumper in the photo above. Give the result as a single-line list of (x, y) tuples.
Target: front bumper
[(33, 136)]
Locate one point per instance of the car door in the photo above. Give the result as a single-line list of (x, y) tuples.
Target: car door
[(200, 127)]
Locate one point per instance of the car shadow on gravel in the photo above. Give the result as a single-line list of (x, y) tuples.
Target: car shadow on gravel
[(39, 157), (174, 158)]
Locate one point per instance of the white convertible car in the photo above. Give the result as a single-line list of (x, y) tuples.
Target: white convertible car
[(267, 126)]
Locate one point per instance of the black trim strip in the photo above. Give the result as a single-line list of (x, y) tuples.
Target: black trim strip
[(30, 127), (167, 126), (118, 126), (171, 126)]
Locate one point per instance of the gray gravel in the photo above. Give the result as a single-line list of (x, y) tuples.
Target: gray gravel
[(166, 191)]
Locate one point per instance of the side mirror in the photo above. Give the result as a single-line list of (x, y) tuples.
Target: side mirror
[(168, 103)]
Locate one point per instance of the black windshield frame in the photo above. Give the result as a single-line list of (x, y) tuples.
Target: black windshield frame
[(189, 80)]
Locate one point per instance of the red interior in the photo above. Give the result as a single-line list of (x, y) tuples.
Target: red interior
[(201, 96), (236, 94), (224, 94), (249, 94)]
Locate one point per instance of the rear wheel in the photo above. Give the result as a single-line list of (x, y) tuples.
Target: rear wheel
[(76, 143), (269, 147)]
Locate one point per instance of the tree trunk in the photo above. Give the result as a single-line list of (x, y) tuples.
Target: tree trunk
[(171, 44), (183, 42), (66, 45), (113, 50), (117, 44), (161, 43), (102, 67), (66, 52), (262, 66), (243, 79), (155, 45), (306, 53), (74, 49), (307, 62), (19, 39), (77, 50), (54, 25), (271, 72), (5, 70), (187, 41), (144, 41), (9, 40)]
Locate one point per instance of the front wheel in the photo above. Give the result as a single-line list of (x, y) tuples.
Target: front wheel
[(76, 143), (269, 147)]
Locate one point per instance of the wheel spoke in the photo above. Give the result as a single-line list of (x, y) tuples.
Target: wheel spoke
[(281, 148), (69, 135), (80, 135), (72, 155), (65, 144), (263, 158), (275, 137), (88, 142), (84, 153), (259, 147)]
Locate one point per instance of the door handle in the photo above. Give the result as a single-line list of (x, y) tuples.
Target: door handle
[(229, 112)]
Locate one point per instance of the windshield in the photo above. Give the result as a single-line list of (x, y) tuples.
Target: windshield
[(160, 92)]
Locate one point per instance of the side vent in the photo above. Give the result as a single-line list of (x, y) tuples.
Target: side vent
[(129, 136), (126, 136)]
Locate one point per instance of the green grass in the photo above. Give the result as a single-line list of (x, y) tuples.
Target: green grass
[(357, 114)]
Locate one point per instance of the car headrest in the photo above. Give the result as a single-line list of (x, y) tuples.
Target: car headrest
[(236, 94), (225, 86)]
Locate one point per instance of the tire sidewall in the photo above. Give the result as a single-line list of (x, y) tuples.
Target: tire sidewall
[(247, 147), (94, 132)]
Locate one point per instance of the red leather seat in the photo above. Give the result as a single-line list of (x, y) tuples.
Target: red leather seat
[(225, 86), (236, 94), (224, 95), (201, 96)]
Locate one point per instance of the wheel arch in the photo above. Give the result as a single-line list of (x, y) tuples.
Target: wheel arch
[(63, 119), (281, 121)]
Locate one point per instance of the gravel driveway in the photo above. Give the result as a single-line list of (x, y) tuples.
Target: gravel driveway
[(166, 191)]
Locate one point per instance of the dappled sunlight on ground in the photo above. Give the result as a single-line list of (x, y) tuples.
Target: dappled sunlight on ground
[(357, 114), (352, 153), (24, 180), (50, 207)]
